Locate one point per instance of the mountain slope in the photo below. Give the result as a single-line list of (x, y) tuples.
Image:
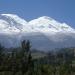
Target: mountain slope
[(44, 33), (12, 23)]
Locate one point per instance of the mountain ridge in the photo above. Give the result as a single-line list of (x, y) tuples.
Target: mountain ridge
[(42, 23), (44, 32)]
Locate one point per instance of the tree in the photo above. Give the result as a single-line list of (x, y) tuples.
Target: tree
[(28, 46), (26, 60)]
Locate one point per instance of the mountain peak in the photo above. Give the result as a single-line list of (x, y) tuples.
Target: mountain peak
[(11, 15), (45, 17), (46, 23), (15, 17)]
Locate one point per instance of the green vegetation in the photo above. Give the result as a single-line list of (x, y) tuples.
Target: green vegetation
[(21, 61)]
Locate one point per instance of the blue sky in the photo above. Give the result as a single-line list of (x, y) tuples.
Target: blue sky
[(61, 10)]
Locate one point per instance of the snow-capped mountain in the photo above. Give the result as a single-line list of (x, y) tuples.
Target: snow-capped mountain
[(48, 24), (44, 33)]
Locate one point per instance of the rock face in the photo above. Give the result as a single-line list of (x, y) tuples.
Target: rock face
[(44, 33)]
